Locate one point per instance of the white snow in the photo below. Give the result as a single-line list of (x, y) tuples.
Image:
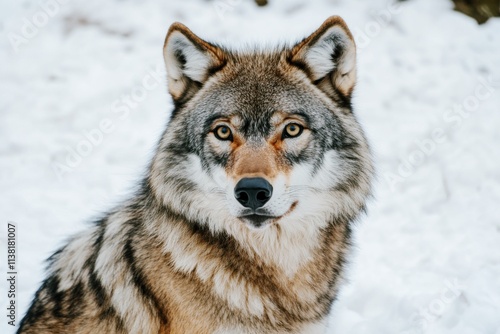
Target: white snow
[(428, 95)]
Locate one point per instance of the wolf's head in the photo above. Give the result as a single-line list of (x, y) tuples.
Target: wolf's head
[(263, 138)]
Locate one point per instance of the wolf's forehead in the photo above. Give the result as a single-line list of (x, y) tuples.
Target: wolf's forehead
[(260, 93), (264, 104), (272, 118), (258, 97)]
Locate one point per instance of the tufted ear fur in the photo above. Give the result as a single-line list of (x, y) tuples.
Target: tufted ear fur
[(190, 61), (328, 56)]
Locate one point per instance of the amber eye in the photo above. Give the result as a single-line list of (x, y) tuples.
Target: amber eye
[(223, 133), (292, 130)]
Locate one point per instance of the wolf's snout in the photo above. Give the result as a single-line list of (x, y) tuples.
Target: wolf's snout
[(253, 192)]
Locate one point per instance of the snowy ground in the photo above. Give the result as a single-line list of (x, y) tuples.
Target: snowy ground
[(428, 257)]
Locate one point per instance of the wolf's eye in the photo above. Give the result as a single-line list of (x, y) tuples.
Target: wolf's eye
[(292, 130), (223, 133)]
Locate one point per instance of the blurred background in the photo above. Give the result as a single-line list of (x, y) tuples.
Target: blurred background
[(83, 101)]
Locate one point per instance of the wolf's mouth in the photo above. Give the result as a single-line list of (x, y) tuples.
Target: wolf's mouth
[(257, 220)]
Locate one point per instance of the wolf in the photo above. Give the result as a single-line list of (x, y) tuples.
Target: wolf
[(242, 223)]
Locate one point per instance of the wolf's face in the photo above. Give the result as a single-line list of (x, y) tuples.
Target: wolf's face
[(262, 138)]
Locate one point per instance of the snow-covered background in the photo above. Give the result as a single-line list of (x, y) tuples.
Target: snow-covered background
[(428, 252)]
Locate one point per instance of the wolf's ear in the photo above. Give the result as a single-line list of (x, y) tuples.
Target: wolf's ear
[(328, 56), (189, 61)]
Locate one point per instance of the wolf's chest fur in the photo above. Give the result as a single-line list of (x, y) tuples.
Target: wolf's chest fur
[(242, 223), (219, 280)]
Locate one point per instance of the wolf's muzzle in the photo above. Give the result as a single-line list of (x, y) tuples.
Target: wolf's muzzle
[(253, 192)]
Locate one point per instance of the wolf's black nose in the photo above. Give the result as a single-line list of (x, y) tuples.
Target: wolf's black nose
[(253, 192)]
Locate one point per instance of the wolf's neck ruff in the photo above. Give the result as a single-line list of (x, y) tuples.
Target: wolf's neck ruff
[(247, 281), (243, 222)]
